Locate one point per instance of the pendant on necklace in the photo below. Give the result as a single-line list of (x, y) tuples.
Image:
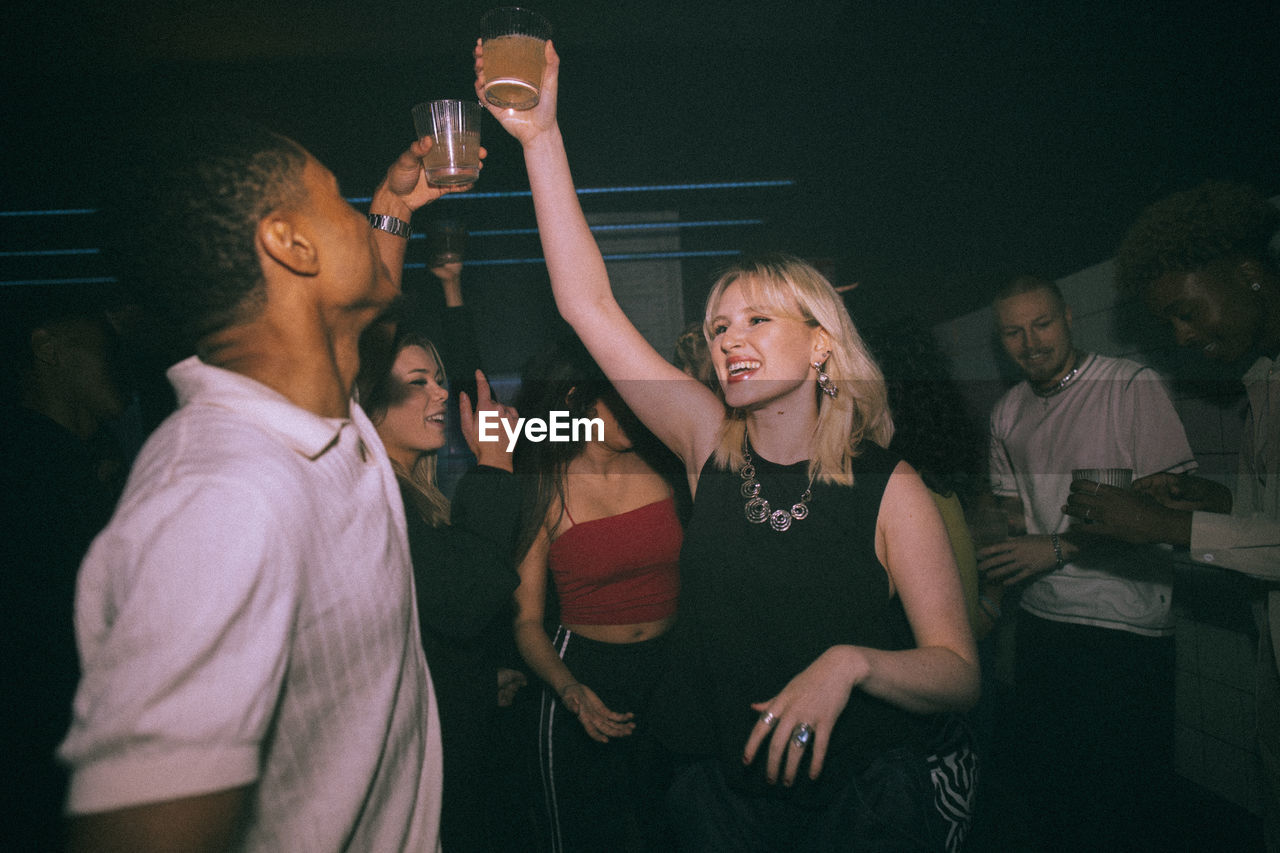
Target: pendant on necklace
[(757, 509)]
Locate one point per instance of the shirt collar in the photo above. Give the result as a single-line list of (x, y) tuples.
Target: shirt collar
[(197, 383), (1260, 370)]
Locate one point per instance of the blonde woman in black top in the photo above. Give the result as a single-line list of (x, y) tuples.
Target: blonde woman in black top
[(803, 396)]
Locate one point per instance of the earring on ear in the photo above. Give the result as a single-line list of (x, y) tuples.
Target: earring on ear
[(1255, 287), (824, 381)]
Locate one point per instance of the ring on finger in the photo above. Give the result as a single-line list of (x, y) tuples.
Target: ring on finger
[(801, 735), (768, 719)]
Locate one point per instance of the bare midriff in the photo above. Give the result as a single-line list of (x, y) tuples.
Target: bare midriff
[(637, 633)]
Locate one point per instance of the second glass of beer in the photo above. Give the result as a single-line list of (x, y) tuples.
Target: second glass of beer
[(514, 56), (454, 128)]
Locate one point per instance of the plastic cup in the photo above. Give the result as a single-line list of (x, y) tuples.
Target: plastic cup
[(446, 242), (514, 56), (1121, 478), (454, 127)]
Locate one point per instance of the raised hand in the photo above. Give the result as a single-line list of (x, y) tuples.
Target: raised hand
[(525, 125), (406, 182), (494, 454)]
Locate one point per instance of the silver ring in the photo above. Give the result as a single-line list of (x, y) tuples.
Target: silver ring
[(801, 735), (768, 719)]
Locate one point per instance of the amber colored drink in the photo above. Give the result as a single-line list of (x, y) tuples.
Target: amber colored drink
[(453, 159), (513, 71)]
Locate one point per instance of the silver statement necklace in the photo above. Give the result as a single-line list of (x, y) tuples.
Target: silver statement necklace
[(757, 509), (1063, 382)]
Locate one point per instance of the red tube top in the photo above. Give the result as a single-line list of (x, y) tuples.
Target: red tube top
[(619, 570)]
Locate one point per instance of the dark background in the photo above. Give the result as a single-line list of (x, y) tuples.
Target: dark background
[(937, 148)]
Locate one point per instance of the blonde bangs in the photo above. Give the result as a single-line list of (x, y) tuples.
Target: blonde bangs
[(789, 287)]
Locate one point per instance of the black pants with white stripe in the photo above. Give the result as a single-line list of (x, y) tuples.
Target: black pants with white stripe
[(603, 796)]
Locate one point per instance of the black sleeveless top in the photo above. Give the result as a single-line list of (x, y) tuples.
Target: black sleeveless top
[(758, 606)]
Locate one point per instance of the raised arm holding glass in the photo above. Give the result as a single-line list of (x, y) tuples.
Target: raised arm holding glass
[(822, 637)]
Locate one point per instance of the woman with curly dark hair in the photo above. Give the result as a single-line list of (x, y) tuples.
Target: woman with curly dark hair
[(1203, 261), (933, 433)]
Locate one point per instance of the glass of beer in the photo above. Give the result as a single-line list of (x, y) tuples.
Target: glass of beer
[(514, 56), (454, 128)]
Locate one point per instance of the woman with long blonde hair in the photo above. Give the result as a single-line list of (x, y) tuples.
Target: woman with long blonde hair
[(822, 646)]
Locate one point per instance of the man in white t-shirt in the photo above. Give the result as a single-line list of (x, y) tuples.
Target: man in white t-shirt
[(253, 677), (1094, 647)]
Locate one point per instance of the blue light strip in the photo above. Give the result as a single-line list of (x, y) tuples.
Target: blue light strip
[(46, 253), (495, 232), (723, 185), (639, 226), (42, 281), (490, 262), (71, 211), (632, 256)]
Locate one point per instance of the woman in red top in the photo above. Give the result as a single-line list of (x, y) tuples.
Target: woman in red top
[(602, 522)]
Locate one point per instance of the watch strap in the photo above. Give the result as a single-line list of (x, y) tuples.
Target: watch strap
[(390, 224)]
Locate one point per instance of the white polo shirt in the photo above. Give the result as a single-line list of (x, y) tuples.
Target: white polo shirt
[(248, 617)]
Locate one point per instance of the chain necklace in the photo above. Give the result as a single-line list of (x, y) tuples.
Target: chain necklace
[(1063, 382), (757, 509)]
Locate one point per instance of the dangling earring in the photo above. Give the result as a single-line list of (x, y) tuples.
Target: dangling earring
[(824, 381)]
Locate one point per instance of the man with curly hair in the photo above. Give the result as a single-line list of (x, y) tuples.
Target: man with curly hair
[(1202, 261)]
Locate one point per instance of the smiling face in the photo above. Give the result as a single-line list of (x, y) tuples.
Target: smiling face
[(415, 420), (1035, 329), (1212, 309), (763, 356)]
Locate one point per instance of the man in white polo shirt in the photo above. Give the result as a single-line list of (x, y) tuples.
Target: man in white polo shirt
[(253, 674), (1094, 657)]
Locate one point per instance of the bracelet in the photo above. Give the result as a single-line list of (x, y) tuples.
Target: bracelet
[(390, 224), (990, 608), (1057, 551)]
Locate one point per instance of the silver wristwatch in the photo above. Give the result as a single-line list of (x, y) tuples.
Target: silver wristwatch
[(390, 224)]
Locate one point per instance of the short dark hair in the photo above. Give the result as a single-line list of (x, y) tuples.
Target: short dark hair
[(1030, 284), (179, 221), (1192, 229)]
